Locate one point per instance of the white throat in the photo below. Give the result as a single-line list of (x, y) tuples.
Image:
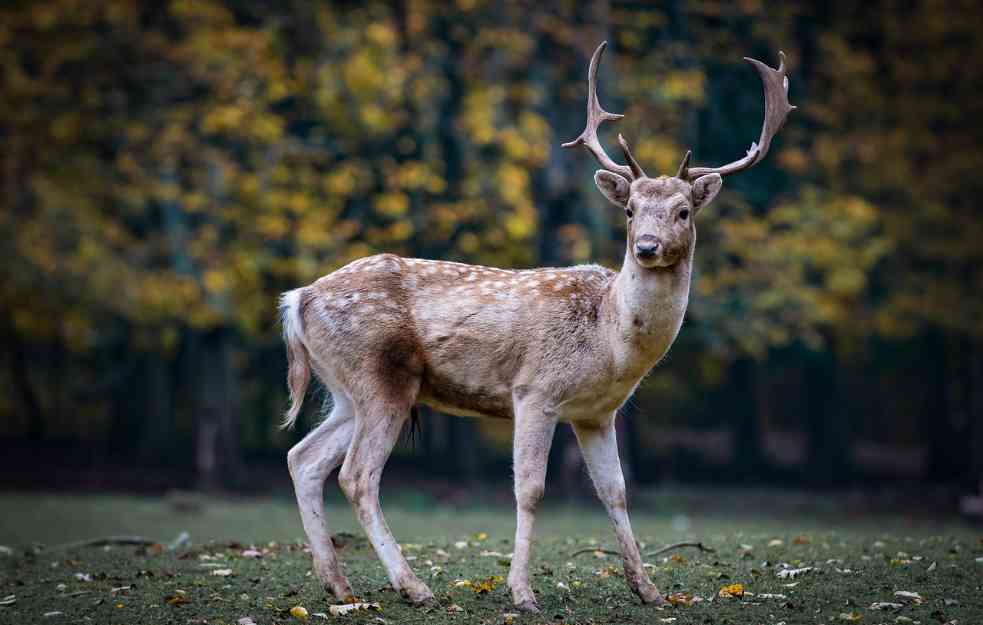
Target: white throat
[(648, 306)]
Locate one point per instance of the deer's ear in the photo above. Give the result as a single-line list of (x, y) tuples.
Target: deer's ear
[(614, 187), (705, 188)]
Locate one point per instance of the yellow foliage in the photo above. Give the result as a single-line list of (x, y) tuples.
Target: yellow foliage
[(393, 204)]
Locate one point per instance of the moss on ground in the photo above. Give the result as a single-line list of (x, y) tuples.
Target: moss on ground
[(219, 583)]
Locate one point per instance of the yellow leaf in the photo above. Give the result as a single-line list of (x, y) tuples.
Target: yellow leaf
[(733, 590), (299, 613), (680, 598)]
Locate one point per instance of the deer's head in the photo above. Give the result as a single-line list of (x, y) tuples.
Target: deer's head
[(660, 211)]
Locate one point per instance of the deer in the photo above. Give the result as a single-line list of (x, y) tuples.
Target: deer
[(537, 347)]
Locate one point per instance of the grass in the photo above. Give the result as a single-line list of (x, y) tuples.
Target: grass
[(854, 564)]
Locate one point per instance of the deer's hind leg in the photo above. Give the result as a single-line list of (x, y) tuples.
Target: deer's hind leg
[(384, 398), (311, 461)]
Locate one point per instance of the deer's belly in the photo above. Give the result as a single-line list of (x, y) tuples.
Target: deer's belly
[(463, 398)]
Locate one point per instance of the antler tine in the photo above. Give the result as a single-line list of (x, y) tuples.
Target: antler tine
[(684, 166), (595, 117), (777, 108), (636, 169)]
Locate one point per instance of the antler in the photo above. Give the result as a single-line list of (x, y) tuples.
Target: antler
[(777, 109), (595, 117)]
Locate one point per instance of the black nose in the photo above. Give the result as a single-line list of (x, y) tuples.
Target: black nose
[(647, 246)]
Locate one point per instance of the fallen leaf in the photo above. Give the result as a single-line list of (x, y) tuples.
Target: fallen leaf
[(668, 619), (179, 598), (733, 590), (246, 620), (486, 585), (680, 598), (300, 613), (481, 536), (886, 605), (768, 595), (850, 616), (801, 539), (775, 542), (913, 597), (461, 544), (252, 553), (454, 608), (348, 608), (792, 573), (222, 572), (678, 559)]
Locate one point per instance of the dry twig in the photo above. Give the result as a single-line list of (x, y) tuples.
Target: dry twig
[(658, 552)]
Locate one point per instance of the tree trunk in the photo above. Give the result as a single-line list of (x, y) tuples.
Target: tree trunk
[(157, 436), (748, 457), (218, 457), (829, 461), (975, 474), (29, 403)]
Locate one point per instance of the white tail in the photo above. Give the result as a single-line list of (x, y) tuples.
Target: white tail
[(536, 347), (299, 374)]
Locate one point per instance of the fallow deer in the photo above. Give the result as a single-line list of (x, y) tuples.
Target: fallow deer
[(537, 347)]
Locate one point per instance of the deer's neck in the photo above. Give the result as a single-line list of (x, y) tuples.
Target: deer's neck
[(647, 309)]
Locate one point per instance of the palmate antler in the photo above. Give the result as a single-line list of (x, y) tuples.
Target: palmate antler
[(595, 117), (777, 108)]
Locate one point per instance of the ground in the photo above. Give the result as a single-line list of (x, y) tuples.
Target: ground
[(247, 559)]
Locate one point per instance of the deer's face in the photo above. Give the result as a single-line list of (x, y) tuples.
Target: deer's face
[(660, 213)]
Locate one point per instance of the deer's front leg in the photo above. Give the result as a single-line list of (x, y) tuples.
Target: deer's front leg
[(531, 447), (600, 448)]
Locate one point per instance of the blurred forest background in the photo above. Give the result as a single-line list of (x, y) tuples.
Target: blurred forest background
[(168, 168)]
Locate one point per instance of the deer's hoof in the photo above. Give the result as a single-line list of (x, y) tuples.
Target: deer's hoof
[(342, 591), (528, 605), (652, 596), (420, 597)]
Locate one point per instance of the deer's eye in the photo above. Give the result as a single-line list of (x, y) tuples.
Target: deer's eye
[(684, 214), (629, 212)]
